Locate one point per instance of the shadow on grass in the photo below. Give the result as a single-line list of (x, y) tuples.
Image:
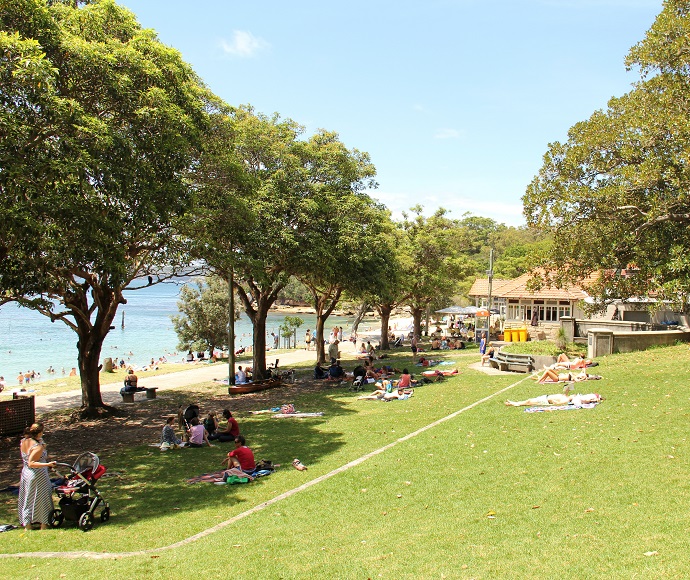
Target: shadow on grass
[(148, 483)]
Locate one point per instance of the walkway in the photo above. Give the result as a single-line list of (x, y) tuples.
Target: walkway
[(201, 373)]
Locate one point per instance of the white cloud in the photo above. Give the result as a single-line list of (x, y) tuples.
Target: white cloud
[(243, 44), (447, 133)]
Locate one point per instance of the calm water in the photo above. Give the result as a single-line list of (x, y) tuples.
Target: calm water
[(29, 341)]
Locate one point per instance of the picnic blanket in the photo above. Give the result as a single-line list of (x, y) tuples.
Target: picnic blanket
[(560, 408), (219, 476)]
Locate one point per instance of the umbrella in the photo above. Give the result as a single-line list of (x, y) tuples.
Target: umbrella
[(458, 310)]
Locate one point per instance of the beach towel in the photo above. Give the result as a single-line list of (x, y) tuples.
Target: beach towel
[(219, 476), (560, 408)]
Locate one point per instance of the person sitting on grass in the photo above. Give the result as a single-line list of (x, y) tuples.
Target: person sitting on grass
[(168, 436), (241, 457), (336, 372), (211, 424), (405, 379), (320, 372), (231, 430), (557, 399), (198, 436)]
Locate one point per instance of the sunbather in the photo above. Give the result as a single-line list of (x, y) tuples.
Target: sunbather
[(385, 395), (556, 399), (551, 376), (562, 362)]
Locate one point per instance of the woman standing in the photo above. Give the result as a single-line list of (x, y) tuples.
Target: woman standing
[(35, 491)]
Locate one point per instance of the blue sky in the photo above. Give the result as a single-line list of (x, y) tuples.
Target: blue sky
[(455, 100)]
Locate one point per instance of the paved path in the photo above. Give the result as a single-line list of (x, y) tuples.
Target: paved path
[(201, 373), (204, 373)]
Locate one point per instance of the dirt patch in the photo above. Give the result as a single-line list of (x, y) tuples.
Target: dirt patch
[(141, 422)]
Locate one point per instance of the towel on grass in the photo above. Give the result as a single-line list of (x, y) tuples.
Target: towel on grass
[(219, 476), (560, 408)]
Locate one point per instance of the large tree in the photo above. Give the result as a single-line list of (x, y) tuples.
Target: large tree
[(251, 194), (436, 262), (100, 123), (615, 194), (341, 227)]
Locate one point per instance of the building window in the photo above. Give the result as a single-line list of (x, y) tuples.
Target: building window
[(516, 312)]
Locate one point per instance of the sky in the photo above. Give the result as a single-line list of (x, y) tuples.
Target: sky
[(456, 101)]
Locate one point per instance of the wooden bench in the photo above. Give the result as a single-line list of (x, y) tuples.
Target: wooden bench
[(521, 363), (129, 397)]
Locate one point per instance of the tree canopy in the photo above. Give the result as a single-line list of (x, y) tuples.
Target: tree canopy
[(616, 195), (101, 124)]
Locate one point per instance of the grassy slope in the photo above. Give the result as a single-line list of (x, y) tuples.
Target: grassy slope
[(492, 493)]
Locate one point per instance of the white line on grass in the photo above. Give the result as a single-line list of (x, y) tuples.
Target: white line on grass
[(261, 506)]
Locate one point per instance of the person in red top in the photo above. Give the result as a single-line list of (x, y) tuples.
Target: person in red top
[(231, 431), (241, 457)]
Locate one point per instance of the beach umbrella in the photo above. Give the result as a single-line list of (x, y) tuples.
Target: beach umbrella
[(451, 310)]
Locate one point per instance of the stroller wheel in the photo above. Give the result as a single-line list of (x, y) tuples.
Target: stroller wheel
[(86, 522), (56, 518), (105, 514)]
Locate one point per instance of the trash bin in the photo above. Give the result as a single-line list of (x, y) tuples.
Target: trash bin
[(522, 335), (507, 334)]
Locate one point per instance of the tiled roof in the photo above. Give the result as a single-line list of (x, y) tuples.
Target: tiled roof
[(481, 286), (517, 288)]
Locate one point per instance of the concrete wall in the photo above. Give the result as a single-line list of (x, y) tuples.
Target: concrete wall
[(582, 327), (633, 341)]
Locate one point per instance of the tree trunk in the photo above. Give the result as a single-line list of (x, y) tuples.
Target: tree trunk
[(417, 313), (361, 311), (324, 304), (319, 340), (259, 349), (263, 299), (90, 342), (384, 311), (89, 348)]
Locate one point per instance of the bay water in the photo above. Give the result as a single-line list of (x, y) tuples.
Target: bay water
[(30, 342)]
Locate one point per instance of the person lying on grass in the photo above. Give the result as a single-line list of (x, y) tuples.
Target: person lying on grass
[(241, 457), (562, 362), (388, 393), (557, 399), (551, 376)]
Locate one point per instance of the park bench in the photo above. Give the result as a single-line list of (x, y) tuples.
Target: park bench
[(129, 397), (521, 363)]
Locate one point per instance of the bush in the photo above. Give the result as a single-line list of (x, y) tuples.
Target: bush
[(545, 348)]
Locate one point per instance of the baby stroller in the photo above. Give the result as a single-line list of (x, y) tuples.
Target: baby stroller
[(78, 496)]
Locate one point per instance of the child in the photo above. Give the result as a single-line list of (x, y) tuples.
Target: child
[(168, 437)]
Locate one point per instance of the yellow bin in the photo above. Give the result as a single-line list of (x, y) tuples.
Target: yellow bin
[(507, 335), (522, 334)]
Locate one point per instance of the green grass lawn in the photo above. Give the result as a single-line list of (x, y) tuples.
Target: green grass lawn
[(493, 492)]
